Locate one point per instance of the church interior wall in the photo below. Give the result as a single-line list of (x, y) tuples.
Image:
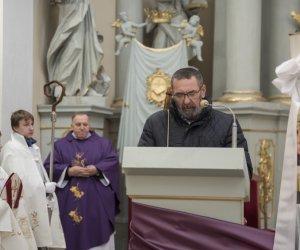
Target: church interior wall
[(28, 27), (45, 23), (17, 87), (104, 15)]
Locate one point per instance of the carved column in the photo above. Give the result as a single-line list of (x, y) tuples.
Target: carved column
[(243, 38)]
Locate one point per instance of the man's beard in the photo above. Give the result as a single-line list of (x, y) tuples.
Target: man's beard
[(190, 115)]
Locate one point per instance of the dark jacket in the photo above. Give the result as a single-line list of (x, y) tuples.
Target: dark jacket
[(213, 128)]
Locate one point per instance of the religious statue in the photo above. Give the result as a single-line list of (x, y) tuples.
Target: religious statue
[(127, 31), (192, 32), (100, 86), (166, 12), (75, 55), (159, 20)]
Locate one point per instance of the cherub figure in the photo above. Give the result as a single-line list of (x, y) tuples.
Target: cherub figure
[(192, 32), (127, 31)]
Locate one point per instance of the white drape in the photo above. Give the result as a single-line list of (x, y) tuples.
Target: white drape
[(288, 82), (143, 61)]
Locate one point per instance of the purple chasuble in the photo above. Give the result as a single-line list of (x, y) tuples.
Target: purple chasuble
[(87, 207)]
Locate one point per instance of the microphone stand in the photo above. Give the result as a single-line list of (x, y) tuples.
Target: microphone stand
[(204, 103)]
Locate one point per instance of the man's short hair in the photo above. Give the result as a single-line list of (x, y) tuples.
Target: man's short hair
[(188, 73), (19, 115), (79, 113)]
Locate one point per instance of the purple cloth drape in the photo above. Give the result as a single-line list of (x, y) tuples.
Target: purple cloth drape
[(164, 229)]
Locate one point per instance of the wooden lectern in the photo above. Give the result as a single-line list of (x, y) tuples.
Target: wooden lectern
[(212, 182)]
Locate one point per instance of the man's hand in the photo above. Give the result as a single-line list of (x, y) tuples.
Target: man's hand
[(92, 170), (87, 171)]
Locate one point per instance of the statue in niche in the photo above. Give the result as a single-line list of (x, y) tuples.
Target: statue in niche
[(192, 31), (127, 31), (75, 55), (166, 11)]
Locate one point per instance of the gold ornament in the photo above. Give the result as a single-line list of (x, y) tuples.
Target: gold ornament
[(156, 16), (76, 192), (76, 217), (266, 175), (158, 84)]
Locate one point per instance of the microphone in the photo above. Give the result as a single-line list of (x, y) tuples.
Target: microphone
[(204, 103)]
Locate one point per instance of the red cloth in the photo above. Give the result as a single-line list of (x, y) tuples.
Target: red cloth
[(154, 228), (251, 207)]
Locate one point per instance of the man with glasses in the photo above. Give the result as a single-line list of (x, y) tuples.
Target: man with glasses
[(186, 123)]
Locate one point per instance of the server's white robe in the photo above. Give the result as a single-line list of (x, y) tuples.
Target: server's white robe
[(11, 186), (16, 157), (11, 236)]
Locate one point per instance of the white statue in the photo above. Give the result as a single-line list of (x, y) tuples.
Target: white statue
[(192, 31), (164, 34), (75, 55), (127, 31), (100, 86)]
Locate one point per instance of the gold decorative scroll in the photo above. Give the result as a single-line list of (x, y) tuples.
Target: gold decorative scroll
[(296, 17), (266, 179), (158, 84)]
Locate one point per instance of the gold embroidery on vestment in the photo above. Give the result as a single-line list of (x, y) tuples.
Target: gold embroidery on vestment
[(75, 216), (76, 191), (34, 219), (23, 223), (79, 160)]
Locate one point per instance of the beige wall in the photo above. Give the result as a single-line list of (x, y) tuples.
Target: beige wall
[(45, 22), (105, 14)]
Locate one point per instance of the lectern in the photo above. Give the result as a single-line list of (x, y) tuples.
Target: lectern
[(212, 182)]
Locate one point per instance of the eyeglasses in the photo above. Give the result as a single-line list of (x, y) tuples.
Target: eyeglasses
[(189, 94)]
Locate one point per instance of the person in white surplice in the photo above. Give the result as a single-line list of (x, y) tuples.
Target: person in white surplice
[(22, 156), (15, 231)]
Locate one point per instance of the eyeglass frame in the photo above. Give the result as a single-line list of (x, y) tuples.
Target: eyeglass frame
[(189, 94)]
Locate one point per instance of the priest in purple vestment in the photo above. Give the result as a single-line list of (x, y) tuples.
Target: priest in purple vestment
[(86, 169)]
